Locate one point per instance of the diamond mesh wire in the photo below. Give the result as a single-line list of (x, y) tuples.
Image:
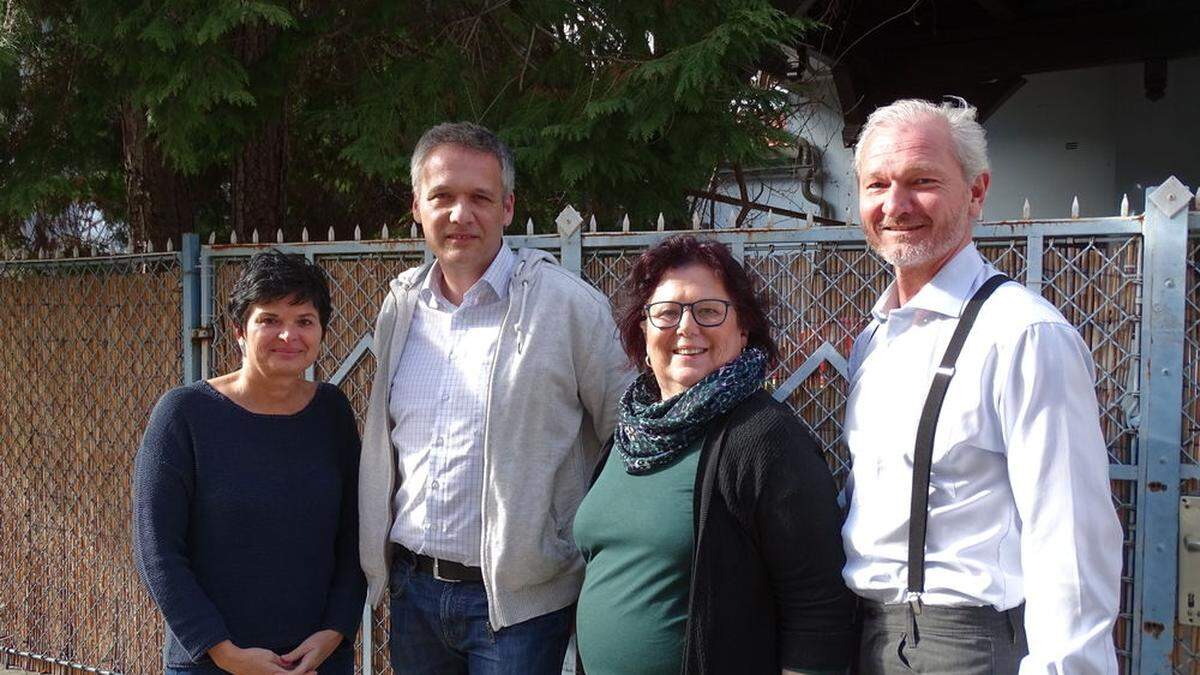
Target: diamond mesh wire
[(607, 269), (1097, 283), (1186, 656), (1124, 494), (818, 294), (73, 333), (1191, 370)]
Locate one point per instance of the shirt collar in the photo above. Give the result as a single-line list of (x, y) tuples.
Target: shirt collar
[(492, 286), (946, 292)]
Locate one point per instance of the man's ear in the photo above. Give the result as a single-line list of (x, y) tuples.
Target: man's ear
[(979, 188), (509, 202)]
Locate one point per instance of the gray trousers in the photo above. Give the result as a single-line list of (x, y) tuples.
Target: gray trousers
[(941, 640)]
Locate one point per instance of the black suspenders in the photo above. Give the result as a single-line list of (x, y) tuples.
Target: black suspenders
[(923, 449)]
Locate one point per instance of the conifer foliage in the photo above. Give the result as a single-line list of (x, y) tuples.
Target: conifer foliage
[(174, 115)]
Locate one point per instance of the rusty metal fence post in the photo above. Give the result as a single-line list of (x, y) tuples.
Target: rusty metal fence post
[(1159, 440)]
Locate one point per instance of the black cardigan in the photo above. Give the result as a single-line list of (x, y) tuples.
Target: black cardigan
[(766, 585)]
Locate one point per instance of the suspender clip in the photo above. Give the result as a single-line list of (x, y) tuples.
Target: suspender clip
[(948, 371), (913, 598)]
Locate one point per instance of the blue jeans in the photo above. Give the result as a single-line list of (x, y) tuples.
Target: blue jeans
[(441, 627)]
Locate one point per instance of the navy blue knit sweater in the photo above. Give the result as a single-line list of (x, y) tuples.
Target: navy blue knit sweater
[(245, 526)]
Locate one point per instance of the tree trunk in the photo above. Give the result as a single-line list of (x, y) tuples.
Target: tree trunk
[(161, 202), (260, 167)]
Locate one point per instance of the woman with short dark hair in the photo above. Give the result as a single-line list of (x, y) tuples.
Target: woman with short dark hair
[(711, 531), (245, 514)]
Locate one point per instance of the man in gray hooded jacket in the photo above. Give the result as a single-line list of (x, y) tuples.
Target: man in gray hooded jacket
[(498, 378)]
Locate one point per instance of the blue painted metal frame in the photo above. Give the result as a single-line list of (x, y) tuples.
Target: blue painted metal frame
[(189, 263)]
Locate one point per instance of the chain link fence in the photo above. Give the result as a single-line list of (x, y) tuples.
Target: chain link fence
[(87, 347)]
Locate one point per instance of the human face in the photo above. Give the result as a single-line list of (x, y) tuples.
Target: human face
[(281, 339), (915, 205), (683, 355), (461, 206)]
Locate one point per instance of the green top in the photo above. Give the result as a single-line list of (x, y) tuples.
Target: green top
[(635, 533)]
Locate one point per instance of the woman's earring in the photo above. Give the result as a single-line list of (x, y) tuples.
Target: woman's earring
[(648, 361)]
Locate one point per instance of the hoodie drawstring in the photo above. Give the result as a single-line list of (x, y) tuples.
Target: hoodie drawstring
[(519, 326)]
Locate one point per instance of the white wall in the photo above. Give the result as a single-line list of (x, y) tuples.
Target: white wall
[(819, 121), (1159, 138), (1123, 143)]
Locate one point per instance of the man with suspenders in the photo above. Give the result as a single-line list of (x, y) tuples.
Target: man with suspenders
[(981, 533)]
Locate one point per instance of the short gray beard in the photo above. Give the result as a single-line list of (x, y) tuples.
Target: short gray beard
[(903, 256), (920, 253)]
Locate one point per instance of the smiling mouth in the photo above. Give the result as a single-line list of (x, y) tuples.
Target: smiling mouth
[(890, 225), (689, 351)]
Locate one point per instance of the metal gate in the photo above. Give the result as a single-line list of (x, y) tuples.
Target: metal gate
[(1131, 284)]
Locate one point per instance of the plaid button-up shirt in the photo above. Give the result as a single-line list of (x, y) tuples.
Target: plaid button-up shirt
[(437, 402)]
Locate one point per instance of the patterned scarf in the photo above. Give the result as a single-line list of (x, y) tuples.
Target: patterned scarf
[(652, 432)]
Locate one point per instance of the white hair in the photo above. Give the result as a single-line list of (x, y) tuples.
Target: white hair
[(967, 135)]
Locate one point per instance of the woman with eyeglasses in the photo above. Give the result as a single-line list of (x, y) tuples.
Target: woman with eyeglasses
[(711, 532)]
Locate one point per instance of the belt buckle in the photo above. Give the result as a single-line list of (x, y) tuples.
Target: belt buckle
[(437, 573)]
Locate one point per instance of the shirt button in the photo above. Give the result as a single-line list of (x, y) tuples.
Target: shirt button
[(445, 397), (437, 441), (434, 485)]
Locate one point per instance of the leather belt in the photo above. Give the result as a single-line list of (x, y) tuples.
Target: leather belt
[(447, 570)]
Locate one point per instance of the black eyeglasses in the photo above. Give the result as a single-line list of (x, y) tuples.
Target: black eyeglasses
[(668, 313)]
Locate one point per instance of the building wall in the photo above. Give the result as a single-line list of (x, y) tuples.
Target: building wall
[(1090, 133), (819, 121), (1124, 141)]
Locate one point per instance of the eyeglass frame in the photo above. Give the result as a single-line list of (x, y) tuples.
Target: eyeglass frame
[(687, 307)]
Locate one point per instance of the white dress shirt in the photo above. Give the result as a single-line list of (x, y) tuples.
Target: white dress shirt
[(438, 405), (1019, 500)]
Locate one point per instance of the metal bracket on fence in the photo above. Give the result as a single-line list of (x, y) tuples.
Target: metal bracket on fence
[(571, 236)]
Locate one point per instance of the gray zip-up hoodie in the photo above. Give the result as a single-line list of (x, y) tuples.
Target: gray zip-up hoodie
[(552, 400)]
